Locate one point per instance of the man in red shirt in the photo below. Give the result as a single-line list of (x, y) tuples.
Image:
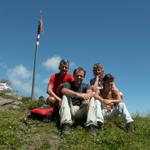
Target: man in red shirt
[(56, 81)]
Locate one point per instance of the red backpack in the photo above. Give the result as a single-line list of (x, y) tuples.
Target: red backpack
[(43, 114)]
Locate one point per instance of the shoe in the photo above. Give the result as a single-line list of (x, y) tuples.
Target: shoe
[(129, 127), (92, 129), (99, 125), (65, 128)]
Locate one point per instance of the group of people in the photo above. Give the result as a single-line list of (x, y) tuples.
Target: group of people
[(75, 100)]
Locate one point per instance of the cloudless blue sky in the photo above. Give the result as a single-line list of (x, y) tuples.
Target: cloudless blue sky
[(115, 33)]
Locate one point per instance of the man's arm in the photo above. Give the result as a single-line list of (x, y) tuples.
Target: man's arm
[(71, 93), (116, 89), (51, 92), (116, 98), (98, 96), (94, 84)]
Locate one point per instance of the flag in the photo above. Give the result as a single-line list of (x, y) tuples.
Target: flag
[(40, 29)]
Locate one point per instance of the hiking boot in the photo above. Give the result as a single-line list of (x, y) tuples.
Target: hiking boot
[(92, 129), (65, 128), (99, 125), (129, 127)]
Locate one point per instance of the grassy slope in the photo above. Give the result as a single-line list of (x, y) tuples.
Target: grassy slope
[(19, 132)]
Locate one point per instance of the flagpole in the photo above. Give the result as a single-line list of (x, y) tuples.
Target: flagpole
[(40, 29), (34, 71)]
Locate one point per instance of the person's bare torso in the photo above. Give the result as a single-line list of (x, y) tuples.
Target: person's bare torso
[(108, 96)]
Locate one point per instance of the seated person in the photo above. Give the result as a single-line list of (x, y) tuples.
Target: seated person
[(98, 72), (111, 103), (77, 103), (96, 84), (55, 84)]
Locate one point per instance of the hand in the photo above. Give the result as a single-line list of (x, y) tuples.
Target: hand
[(85, 96), (97, 78), (59, 102), (108, 104)]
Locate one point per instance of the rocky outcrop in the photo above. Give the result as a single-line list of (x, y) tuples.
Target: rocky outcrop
[(9, 103)]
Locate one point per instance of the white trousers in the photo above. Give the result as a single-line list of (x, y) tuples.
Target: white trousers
[(119, 109), (69, 112)]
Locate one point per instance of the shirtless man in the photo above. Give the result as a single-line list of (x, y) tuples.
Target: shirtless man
[(111, 103)]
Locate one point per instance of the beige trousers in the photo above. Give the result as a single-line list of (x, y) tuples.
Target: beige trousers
[(69, 112)]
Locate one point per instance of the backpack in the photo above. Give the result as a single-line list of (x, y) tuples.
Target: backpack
[(42, 114)]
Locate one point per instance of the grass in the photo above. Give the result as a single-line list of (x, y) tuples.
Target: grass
[(18, 132), (112, 137)]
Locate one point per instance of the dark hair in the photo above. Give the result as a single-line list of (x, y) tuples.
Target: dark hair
[(79, 69), (64, 61), (108, 77)]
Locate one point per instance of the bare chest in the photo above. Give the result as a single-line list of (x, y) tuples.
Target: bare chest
[(107, 95)]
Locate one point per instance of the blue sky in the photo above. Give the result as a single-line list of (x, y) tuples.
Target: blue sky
[(115, 33)]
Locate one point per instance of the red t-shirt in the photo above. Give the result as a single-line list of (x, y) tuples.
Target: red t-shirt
[(56, 80)]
